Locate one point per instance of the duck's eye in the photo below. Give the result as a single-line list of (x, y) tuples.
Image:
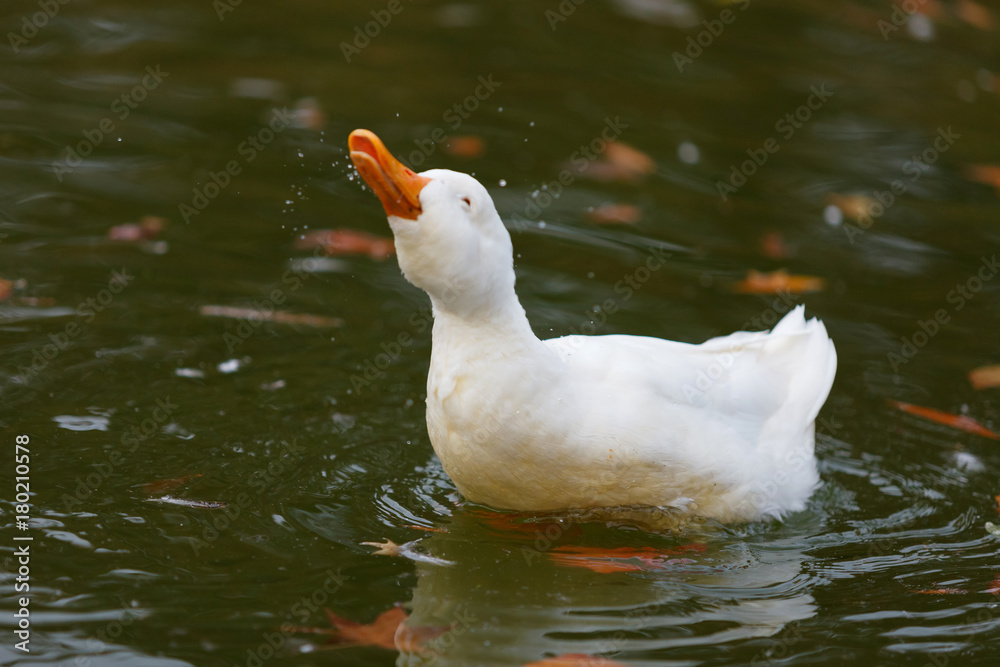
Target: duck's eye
[(465, 200)]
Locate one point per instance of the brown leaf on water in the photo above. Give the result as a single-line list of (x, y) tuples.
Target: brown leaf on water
[(773, 246), (629, 159), (388, 631), (6, 289), (618, 162), (932, 9), (348, 242), (997, 499), (465, 145), (985, 377), (994, 586), (622, 559), (757, 282), (988, 174), (166, 484), (614, 214), (575, 660), (960, 422), (148, 227), (942, 591), (854, 206), (281, 316), (975, 14)]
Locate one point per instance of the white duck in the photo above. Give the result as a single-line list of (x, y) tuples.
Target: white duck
[(720, 430)]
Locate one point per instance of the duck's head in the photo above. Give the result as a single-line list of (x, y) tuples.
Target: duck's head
[(450, 241)]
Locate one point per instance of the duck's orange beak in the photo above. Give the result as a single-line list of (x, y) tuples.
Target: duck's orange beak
[(396, 185)]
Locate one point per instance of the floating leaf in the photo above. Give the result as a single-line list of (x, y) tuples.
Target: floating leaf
[(148, 227), (465, 145), (985, 377), (773, 246), (619, 162), (614, 214), (629, 159), (778, 281), (988, 174), (975, 14), (854, 206), (388, 631), (6, 289), (942, 591), (348, 242), (575, 660), (166, 484), (622, 559), (283, 317), (960, 422)]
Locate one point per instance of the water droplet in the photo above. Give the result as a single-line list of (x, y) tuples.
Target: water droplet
[(688, 153), (531, 124), (541, 225), (503, 182), (833, 215)]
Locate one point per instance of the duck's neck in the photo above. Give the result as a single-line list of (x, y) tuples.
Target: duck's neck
[(499, 325)]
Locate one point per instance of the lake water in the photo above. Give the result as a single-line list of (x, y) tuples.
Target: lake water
[(199, 482)]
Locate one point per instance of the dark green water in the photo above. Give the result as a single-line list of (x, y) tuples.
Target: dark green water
[(127, 389)]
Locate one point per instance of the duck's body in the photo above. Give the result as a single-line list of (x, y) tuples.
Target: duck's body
[(721, 430)]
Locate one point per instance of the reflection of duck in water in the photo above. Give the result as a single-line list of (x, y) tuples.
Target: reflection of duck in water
[(722, 430), (505, 601)]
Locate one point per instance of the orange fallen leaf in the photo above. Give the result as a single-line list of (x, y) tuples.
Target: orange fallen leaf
[(773, 246), (854, 206), (778, 281), (622, 559), (6, 289), (284, 317), (960, 422), (575, 660), (388, 631), (932, 9), (166, 484), (348, 242), (994, 586), (629, 159), (942, 591), (975, 14), (614, 214), (380, 632), (997, 498), (985, 377), (619, 162), (989, 174), (148, 227), (465, 145)]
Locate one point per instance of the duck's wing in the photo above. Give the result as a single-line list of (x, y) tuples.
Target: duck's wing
[(765, 385)]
